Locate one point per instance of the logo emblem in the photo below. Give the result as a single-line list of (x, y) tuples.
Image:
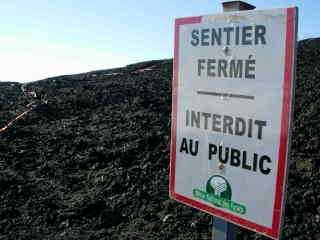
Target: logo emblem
[(219, 186), (219, 193)]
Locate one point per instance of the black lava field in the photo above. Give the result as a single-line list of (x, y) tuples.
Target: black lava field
[(91, 160)]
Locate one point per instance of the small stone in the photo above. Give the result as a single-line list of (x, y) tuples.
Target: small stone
[(167, 217)]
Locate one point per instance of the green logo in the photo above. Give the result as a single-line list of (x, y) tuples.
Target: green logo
[(218, 192)]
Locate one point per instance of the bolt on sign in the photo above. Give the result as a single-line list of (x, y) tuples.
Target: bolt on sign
[(232, 96)]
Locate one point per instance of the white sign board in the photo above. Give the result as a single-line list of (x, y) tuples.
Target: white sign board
[(232, 100)]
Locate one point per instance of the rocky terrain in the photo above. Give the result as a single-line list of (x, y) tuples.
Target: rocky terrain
[(91, 160)]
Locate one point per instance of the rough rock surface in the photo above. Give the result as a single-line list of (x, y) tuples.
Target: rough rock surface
[(93, 162)]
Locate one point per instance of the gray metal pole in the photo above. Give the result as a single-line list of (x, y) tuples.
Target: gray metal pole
[(221, 229)]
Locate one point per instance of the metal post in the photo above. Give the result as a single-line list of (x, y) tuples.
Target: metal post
[(232, 6), (221, 229)]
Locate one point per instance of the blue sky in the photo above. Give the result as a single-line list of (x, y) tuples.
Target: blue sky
[(39, 39)]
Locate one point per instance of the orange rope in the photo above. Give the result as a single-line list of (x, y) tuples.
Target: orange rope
[(9, 124), (30, 107)]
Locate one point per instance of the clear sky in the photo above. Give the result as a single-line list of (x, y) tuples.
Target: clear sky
[(40, 39)]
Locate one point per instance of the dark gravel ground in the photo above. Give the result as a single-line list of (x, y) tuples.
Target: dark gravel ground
[(93, 163)]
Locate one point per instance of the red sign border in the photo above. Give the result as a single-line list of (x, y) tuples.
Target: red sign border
[(273, 232)]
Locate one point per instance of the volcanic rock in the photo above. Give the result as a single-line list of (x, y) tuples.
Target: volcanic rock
[(91, 161)]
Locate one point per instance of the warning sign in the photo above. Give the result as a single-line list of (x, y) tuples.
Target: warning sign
[(231, 112)]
